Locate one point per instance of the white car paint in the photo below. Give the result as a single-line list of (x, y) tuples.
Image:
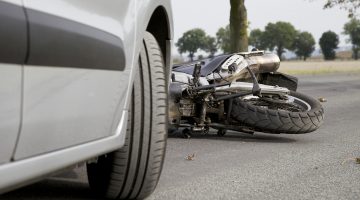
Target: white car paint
[(74, 106), (10, 105), (16, 2), (82, 112)]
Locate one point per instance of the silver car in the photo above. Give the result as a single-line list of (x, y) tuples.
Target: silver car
[(84, 81)]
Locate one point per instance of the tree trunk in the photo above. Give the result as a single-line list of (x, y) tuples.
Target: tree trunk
[(279, 52), (356, 53), (191, 56), (238, 26)]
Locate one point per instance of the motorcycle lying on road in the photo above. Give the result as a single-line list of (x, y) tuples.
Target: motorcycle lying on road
[(241, 92)]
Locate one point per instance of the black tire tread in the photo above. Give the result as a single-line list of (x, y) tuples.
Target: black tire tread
[(279, 121)]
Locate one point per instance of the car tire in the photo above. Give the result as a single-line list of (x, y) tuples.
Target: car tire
[(133, 171)]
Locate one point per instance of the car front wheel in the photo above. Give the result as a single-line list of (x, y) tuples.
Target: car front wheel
[(133, 171)]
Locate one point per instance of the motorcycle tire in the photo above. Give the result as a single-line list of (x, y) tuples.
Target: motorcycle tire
[(267, 120), (133, 171)]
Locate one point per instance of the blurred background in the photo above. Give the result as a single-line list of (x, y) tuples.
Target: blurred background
[(297, 30)]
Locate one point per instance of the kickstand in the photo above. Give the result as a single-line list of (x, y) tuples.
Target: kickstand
[(222, 132), (229, 110)]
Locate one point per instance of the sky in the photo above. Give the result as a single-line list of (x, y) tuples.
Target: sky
[(305, 15)]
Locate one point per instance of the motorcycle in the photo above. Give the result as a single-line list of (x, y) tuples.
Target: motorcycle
[(240, 92)]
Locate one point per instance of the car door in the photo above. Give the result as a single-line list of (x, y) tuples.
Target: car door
[(12, 55), (77, 74)]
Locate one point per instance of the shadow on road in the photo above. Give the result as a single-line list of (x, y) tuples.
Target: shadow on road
[(235, 136), (52, 189), (67, 185)]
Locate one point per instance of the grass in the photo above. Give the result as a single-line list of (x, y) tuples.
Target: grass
[(319, 67)]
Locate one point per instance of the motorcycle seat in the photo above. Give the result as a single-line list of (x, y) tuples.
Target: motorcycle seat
[(209, 65)]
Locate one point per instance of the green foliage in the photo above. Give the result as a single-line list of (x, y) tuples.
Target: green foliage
[(352, 29), (257, 39), (280, 35), (304, 45), (211, 46), (329, 41), (192, 41), (223, 39), (238, 26), (350, 5)]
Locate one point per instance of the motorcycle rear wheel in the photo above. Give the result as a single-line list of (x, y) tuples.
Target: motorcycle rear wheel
[(302, 115)]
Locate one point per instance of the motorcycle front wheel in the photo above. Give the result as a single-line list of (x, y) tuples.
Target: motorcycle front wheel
[(295, 113)]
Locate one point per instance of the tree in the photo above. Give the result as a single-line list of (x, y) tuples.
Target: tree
[(223, 39), (350, 5), (352, 28), (329, 41), (304, 45), (280, 35), (257, 39), (238, 26), (211, 46), (191, 42)]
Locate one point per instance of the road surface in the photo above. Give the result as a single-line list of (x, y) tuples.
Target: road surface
[(261, 166)]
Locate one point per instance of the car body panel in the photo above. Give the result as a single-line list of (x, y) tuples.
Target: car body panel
[(72, 44), (13, 38), (112, 16), (15, 2), (61, 126), (24, 172), (12, 54), (10, 109), (73, 105)]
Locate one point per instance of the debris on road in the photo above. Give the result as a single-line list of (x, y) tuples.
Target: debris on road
[(190, 157), (322, 100), (357, 160)]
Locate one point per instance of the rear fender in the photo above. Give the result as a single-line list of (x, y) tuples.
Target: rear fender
[(279, 79)]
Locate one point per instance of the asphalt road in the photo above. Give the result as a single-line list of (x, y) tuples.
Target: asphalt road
[(261, 166)]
